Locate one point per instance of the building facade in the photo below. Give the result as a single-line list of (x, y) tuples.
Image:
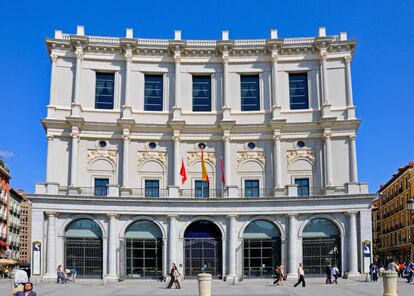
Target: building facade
[(376, 229), (13, 239), (4, 207), (396, 218), (272, 122), (25, 230)]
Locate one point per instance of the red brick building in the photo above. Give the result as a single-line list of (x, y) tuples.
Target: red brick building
[(4, 206)]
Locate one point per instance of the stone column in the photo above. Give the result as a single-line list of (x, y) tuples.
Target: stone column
[(79, 59), (125, 158), (177, 94), (292, 242), (276, 104), (232, 237), (172, 240), (353, 245), (112, 247), (53, 59), (328, 158), (74, 157), (353, 159), (128, 65), (277, 166), (324, 77), (225, 80), (51, 245), (164, 258), (49, 158), (227, 160), (176, 140), (349, 96)]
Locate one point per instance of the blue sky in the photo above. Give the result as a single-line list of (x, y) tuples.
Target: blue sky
[(382, 66)]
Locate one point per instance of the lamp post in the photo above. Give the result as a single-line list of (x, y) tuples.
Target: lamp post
[(411, 209)]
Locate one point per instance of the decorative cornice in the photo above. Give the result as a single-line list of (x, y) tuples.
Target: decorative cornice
[(348, 58), (152, 155), (93, 154), (250, 155)]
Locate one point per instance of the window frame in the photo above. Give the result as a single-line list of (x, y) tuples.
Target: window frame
[(104, 188), (251, 189), (152, 188), (302, 187), (162, 78), (209, 76), (113, 74), (306, 92), (258, 89), (205, 191)]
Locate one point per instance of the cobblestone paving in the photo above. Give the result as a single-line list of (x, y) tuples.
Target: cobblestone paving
[(219, 288)]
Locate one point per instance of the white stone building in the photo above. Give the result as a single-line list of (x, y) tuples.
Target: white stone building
[(125, 113)]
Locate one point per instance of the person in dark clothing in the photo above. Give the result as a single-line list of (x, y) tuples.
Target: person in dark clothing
[(174, 277), (328, 273), (276, 273), (301, 276), (27, 290)]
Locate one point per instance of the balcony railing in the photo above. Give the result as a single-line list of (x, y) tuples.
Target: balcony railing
[(113, 191)]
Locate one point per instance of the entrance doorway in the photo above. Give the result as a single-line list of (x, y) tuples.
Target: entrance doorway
[(83, 248), (203, 249)]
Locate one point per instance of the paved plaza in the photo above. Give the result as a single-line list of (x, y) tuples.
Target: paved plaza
[(190, 288)]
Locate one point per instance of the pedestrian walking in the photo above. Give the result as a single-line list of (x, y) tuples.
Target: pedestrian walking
[(301, 276), (282, 275), (335, 273), (328, 274), (276, 274), (374, 272), (410, 272), (27, 290), (20, 278), (174, 277), (73, 273), (61, 276), (393, 266)]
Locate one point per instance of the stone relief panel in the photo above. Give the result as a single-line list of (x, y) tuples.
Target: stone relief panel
[(152, 155), (101, 153), (308, 154), (253, 155), (196, 156)]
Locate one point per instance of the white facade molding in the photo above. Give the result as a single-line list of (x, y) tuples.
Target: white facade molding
[(244, 156), (93, 154), (159, 156)]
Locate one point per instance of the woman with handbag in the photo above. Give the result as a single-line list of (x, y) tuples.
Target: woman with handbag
[(174, 277)]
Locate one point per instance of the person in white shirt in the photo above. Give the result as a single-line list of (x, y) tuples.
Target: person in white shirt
[(301, 276), (335, 273)]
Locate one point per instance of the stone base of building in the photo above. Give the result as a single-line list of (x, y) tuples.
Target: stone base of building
[(108, 279), (232, 279), (49, 278)]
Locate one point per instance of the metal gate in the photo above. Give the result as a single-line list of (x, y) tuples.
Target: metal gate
[(86, 255), (260, 257), (318, 252), (203, 253), (143, 258)]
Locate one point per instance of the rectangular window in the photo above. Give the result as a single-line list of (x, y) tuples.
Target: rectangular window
[(153, 93), (298, 91), (101, 187), (251, 188), (201, 93), (201, 189), (249, 91), (303, 186), (152, 188), (104, 91)]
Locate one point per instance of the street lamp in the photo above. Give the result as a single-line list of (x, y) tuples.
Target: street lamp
[(411, 208)]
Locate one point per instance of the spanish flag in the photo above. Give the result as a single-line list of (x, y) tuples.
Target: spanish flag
[(204, 176)]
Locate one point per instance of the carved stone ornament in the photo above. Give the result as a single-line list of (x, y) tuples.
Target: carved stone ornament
[(99, 153), (152, 155), (196, 156), (128, 56), (308, 154), (247, 155), (79, 53)]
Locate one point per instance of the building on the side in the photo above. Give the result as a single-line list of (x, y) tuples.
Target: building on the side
[(396, 218), (13, 239), (272, 120), (25, 229), (376, 229), (4, 210)]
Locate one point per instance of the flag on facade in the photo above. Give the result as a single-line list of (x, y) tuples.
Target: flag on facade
[(204, 176), (183, 172), (223, 179)]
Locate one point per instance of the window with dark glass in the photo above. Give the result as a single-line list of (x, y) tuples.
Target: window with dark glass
[(249, 91), (303, 186), (201, 189), (201, 93), (153, 93), (251, 188), (101, 187), (104, 92), (152, 188), (298, 91)]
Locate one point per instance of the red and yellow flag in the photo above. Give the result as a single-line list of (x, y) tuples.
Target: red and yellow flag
[(204, 176)]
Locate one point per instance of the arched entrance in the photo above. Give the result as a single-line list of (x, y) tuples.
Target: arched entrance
[(262, 249), (143, 250), (83, 248), (321, 245), (202, 249)]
